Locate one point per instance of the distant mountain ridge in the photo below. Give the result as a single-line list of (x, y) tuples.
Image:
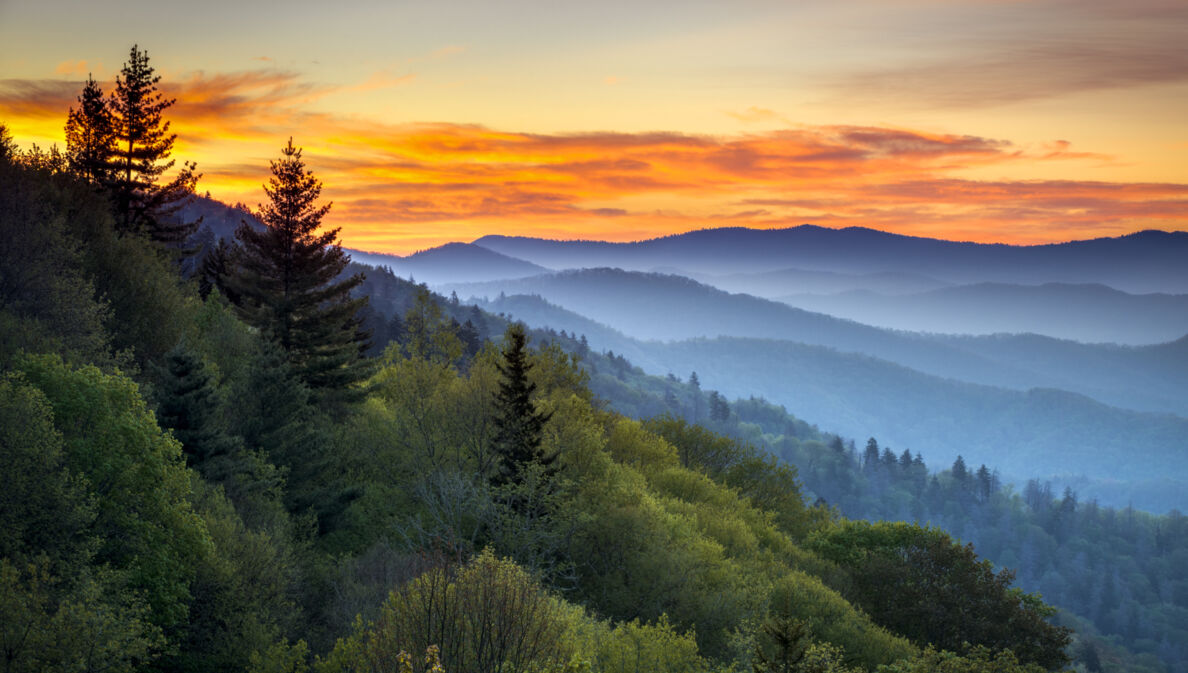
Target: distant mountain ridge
[(1145, 261), (1037, 431), (654, 306), (452, 262), (1091, 312)]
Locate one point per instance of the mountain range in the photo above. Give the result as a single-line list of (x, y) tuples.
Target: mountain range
[(1143, 262), (1025, 432), (658, 307), (1084, 312), (1028, 404)]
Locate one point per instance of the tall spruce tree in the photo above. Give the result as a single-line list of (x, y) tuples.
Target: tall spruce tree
[(140, 156), (286, 282), (518, 423), (90, 136), (187, 405)]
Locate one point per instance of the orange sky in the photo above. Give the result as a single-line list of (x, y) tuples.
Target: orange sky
[(1049, 140)]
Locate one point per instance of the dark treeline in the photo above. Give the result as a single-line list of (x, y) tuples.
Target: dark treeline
[(247, 456)]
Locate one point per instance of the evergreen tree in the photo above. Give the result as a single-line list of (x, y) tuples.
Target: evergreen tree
[(960, 472), (870, 457), (140, 157), (518, 424), (90, 136), (468, 334), (215, 270), (187, 405), (286, 279), (782, 644), (719, 407)]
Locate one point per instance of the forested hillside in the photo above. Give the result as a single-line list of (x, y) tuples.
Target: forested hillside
[(1038, 432), (1117, 574), (209, 472)]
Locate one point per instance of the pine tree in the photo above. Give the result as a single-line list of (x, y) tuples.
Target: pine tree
[(140, 156), (187, 406), (960, 472), (90, 136), (518, 424), (870, 456), (215, 271), (286, 281)]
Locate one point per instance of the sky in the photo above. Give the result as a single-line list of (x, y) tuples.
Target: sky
[(1009, 121)]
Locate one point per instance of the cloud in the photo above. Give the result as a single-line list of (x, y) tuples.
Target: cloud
[(383, 79), (1034, 52), (447, 51), (72, 68), (754, 115), (38, 98), (393, 184)]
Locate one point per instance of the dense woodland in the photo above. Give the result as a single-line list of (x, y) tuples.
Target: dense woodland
[(251, 455), (1118, 575)]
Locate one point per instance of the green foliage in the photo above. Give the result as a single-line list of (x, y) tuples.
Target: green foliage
[(87, 622), (518, 423), (59, 610), (978, 660), (47, 302), (136, 475), (186, 404), (427, 333), (243, 595), (829, 617), (635, 647), (281, 657), (45, 510), (919, 582), (490, 617)]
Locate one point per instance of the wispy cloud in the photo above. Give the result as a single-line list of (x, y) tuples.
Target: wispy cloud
[(1034, 51), (79, 67), (754, 115), (383, 79), (447, 51), (403, 186)]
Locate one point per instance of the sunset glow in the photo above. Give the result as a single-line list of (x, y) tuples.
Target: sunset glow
[(1048, 140)]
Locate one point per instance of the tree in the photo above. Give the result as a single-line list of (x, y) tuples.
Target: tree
[(518, 424), (920, 583), (783, 642), (90, 136), (870, 457), (960, 472), (719, 408), (140, 156), (491, 616), (47, 300), (144, 524), (286, 283), (187, 406), (215, 270)]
